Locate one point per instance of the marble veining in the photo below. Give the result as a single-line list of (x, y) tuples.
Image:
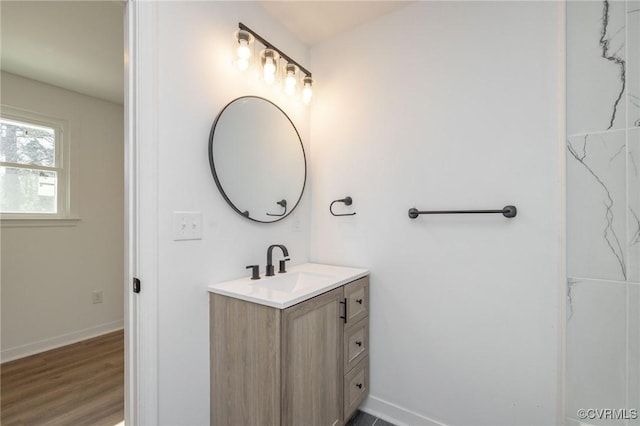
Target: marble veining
[(635, 237), (633, 204), (633, 218), (605, 44), (635, 102), (571, 282), (609, 234), (633, 63), (600, 65)]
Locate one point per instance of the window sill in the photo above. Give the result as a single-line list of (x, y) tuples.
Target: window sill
[(38, 222)]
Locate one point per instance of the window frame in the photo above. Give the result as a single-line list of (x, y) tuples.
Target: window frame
[(64, 200)]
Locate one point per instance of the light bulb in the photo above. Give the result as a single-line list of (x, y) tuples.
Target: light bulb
[(243, 45), (307, 91), (269, 67), (243, 50), (291, 72), (269, 70), (306, 95), (290, 83), (269, 58)]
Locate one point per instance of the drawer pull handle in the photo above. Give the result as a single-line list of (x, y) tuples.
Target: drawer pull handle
[(359, 301), (359, 385), (358, 342)]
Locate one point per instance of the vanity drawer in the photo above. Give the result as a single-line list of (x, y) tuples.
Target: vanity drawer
[(356, 387), (357, 296), (356, 344)]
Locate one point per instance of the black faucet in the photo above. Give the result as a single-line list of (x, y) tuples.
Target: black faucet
[(285, 252)]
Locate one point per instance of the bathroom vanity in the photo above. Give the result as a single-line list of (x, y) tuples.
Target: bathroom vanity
[(290, 349)]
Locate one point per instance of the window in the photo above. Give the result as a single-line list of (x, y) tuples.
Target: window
[(34, 174)]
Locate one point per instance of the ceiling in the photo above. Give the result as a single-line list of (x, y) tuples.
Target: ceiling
[(316, 21), (78, 45)]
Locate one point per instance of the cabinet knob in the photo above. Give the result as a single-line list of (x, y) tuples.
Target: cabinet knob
[(358, 342), (359, 301), (359, 385)]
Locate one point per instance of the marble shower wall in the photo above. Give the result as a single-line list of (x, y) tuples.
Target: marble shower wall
[(597, 206), (603, 209)]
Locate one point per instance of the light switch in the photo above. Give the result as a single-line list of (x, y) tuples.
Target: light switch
[(187, 226)]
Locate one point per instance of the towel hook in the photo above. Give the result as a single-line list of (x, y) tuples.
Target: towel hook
[(347, 202)]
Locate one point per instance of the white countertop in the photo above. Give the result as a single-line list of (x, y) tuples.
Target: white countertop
[(299, 283)]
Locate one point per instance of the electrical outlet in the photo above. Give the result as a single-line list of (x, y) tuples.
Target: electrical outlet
[(96, 297), (187, 226)]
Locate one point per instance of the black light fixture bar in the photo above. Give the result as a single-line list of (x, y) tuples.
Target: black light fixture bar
[(271, 46)]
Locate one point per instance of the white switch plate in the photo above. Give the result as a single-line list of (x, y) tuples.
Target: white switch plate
[(187, 226)]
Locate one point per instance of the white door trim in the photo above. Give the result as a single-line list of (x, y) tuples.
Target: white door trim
[(130, 302), (141, 198)]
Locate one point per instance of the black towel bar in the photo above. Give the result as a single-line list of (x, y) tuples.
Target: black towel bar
[(507, 211)]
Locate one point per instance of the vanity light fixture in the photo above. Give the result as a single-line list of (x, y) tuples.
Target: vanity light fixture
[(270, 63)]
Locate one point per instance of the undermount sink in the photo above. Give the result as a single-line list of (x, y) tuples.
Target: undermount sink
[(293, 281), (302, 282)]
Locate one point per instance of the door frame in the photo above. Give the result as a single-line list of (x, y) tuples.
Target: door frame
[(141, 214)]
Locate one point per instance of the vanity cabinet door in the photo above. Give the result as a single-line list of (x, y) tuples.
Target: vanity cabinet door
[(312, 361), (245, 362)]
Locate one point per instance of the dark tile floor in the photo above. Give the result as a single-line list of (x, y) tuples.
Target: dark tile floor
[(363, 419)]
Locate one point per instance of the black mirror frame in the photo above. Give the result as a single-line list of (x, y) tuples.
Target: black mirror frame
[(215, 175)]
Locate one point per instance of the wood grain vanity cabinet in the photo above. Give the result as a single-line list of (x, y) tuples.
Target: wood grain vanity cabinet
[(299, 366)]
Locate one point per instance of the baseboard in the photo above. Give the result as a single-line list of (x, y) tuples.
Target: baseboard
[(395, 414), (58, 341)]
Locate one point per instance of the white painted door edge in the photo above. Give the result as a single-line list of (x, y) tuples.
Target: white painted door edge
[(141, 309)]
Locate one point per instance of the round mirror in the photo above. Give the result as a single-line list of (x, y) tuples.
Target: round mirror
[(257, 159)]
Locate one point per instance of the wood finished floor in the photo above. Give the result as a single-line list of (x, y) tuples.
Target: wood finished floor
[(79, 384)]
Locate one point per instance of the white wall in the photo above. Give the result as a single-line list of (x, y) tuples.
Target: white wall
[(49, 273), (195, 81), (449, 105)]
